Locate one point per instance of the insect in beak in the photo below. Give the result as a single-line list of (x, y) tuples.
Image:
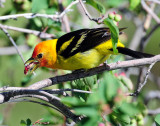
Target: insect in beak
[(31, 65)]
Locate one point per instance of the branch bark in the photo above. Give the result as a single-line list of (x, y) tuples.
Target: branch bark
[(149, 10), (6, 96), (97, 20), (37, 33), (33, 15), (142, 84)]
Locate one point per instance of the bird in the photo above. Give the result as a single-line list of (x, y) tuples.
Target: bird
[(80, 49)]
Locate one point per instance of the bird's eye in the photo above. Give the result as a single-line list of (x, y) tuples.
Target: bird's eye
[(39, 55)]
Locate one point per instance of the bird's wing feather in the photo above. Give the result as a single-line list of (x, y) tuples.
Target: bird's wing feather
[(81, 41)]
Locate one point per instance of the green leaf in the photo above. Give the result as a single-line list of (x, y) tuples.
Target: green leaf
[(93, 98), (51, 118), (88, 111), (129, 109), (71, 101), (115, 3), (23, 123), (26, 79), (90, 81), (101, 91), (157, 120), (97, 5), (39, 5), (133, 122), (38, 22), (134, 4), (114, 33), (108, 86), (126, 82), (28, 122), (122, 118), (84, 84), (141, 106), (51, 10), (31, 41)]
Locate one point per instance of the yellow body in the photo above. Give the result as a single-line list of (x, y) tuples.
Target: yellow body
[(81, 49), (85, 60)]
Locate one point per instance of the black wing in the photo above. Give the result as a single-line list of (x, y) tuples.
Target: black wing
[(83, 40)]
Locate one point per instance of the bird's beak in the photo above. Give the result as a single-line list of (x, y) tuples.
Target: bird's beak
[(31, 64)]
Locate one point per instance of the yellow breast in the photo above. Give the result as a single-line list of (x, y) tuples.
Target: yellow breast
[(87, 59)]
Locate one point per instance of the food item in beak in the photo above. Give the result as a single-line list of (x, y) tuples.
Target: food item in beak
[(31, 65)]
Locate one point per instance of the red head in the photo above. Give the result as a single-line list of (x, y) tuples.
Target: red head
[(44, 55)]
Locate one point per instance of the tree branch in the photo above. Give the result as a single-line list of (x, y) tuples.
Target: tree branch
[(36, 33), (155, 1), (141, 85), (62, 91), (154, 112), (6, 96), (29, 92), (65, 21), (33, 101), (97, 20), (33, 15), (149, 10), (93, 71), (51, 91)]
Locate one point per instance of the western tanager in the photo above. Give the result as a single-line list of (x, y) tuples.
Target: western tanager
[(81, 49)]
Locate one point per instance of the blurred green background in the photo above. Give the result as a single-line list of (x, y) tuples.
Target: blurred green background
[(12, 67)]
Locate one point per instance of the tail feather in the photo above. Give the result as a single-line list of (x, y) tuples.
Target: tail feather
[(132, 53)]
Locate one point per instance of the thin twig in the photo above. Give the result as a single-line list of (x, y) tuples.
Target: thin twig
[(33, 101), (33, 15), (28, 16), (65, 21), (37, 33), (155, 1), (68, 8), (149, 10), (97, 20), (11, 39), (6, 96), (53, 91), (154, 112), (19, 98), (141, 85), (41, 123), (149, 17)]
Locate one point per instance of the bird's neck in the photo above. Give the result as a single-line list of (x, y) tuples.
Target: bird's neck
[(52, 57)]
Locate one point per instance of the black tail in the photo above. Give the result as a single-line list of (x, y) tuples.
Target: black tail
[(132, 53)]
